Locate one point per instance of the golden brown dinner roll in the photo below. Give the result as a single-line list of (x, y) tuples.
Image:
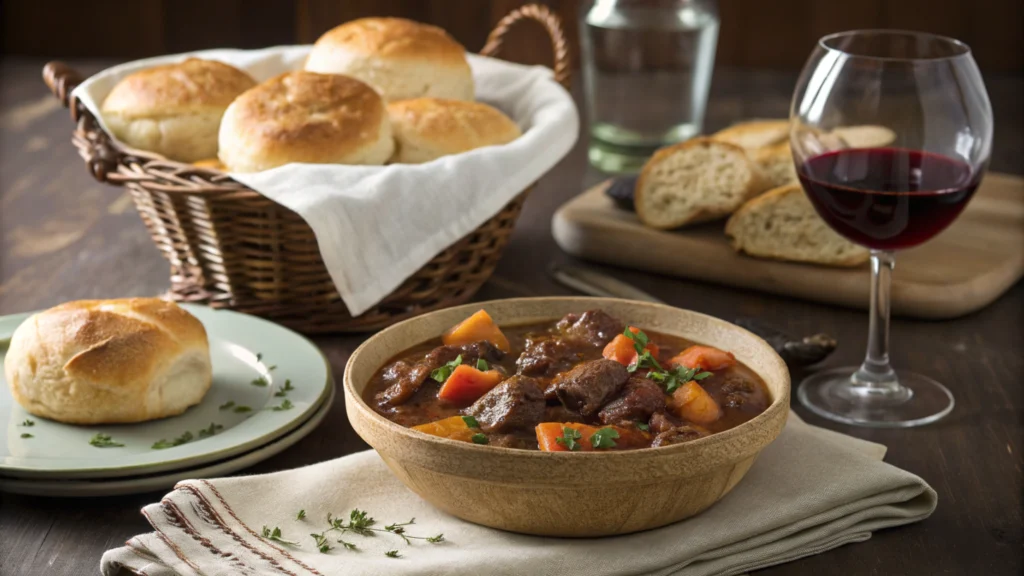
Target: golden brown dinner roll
[(175, 109), (109, 361), (305, 117), (400, 58), (754, 133), (428, 128)]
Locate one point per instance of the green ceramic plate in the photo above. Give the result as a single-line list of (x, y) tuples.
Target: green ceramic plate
[(246, 351), (87, 487)]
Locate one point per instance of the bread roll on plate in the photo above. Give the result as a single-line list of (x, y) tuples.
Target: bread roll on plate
[(782, 224), (175, 109), (429, 128), (400, 58), (305, 117), (109, 361), (695, 181), (776, 163)]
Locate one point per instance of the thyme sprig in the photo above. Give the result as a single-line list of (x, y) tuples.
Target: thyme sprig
[(359, 522)]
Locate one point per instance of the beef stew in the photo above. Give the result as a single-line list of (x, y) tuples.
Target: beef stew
[(585, 382)]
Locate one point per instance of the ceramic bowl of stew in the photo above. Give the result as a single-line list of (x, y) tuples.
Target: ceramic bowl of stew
[(567, 416)]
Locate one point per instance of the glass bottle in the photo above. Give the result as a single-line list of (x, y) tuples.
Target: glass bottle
[(646, 70)]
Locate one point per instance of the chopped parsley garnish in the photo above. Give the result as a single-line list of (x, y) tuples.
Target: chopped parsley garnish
[(604, 438), (284, 390), (101, 440), (642, 426), (183, 439), (470, 422), (392, 554), (210, 430), (27, 435), (242, 409), (678, 376), (441, 374), (262, 382), (479, 438), (482, 365), (301, 515), (286, 405), (569, 438), (28, 423), (670, 379), (226, 405), (259, 356)]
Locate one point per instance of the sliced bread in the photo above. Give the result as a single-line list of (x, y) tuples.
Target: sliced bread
[(782, 224), (754, 134), (695, 181), (776, 164)]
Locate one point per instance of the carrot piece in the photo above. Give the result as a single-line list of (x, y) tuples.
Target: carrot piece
[(466, 384), (692, 402), (454, 428), (549, 432), (477, 327), (651, 346), (621, 350), (706, 357)]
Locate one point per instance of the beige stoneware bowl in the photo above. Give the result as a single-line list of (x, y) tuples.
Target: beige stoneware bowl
[(569, 494)]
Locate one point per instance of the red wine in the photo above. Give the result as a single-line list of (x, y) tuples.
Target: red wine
[(887, 198)]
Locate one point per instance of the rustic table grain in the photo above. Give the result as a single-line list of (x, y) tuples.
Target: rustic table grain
[(64, 236)]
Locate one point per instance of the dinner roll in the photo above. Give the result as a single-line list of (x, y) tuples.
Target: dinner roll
[(175, 109), (428, 128), (109, 361), (305, 117), (400, 58)]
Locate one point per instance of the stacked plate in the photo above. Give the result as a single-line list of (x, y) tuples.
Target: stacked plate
[(271, 387)]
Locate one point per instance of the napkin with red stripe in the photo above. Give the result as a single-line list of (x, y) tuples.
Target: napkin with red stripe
[(808, 492)]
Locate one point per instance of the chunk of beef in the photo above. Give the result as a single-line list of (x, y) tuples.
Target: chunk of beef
[(594, 327), (737, 391), (640, 398), (590, 385), (678, 435), (514, 404), (512, 441), (405, 379), (545, 357), (662, 422)]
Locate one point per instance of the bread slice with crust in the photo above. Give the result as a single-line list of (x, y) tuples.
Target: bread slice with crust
[(776, 163), (695, 181), (755, 133), (865, 136), (782, 224)]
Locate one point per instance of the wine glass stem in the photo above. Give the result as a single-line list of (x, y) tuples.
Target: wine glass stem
[(875, 374)]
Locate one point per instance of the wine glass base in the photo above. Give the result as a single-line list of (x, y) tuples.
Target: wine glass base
[(833, 395)]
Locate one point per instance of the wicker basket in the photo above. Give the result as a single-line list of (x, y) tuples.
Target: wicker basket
[(230, 247)]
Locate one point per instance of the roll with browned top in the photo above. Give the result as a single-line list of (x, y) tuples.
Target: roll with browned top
[(109, 361), (428, 128), (305, 117), (175, 109), (400, 58)]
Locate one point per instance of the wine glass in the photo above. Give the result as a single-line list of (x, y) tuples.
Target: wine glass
[(891, 132)]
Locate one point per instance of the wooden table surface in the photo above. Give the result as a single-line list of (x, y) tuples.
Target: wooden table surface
[(64, 236)]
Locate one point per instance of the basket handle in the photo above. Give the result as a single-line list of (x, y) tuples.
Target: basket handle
[(94, 145), (551, 23)]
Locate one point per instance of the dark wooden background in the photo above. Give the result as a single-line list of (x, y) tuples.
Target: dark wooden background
[(775, 34)]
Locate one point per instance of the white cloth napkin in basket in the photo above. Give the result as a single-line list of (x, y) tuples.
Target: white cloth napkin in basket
[(810, 491), (378, 225)]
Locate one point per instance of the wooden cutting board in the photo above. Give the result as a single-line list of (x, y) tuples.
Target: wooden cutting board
[(961, 270)]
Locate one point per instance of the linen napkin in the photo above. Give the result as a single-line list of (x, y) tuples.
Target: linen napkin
[(810, 491), (377, 225)]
